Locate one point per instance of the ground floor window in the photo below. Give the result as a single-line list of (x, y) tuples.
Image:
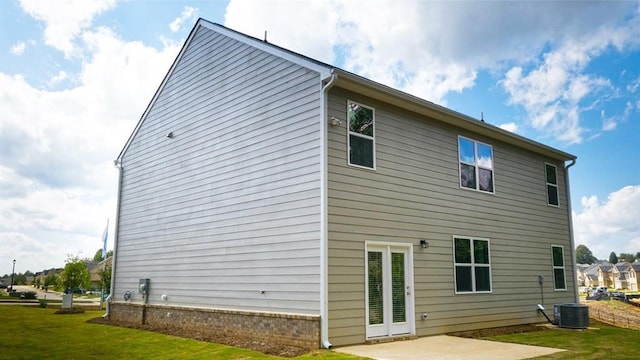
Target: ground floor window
[(472, 265), (559, 280)]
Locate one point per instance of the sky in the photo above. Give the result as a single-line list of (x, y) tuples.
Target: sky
[(76, 76)]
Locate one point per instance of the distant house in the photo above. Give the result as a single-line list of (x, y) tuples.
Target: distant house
[(591, 276), (620, 275), (634, 271), (605, 277), (269, 195), (95, 272)]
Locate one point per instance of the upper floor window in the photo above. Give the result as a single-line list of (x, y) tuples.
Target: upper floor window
[(476, 165), (557, 254), (552, 184), (472, 265), (361, 136)]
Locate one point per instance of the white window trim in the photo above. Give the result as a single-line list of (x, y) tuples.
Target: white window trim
[(472, 265), (554, 267), (476, 166), (372, 138), (548, 183)]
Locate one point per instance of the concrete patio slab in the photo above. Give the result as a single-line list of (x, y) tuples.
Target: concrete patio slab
[(447, 348)]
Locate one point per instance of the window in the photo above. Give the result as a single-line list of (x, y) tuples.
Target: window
[(472, 265), (361, 137), (552, 185), (476, 165), (557, 253)]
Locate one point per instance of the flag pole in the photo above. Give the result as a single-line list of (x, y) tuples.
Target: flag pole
[(105, 235)]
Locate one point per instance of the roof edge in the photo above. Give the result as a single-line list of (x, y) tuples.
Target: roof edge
[(418, 105)]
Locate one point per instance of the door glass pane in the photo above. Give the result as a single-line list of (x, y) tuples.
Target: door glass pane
[(376, 309), (398, 287)]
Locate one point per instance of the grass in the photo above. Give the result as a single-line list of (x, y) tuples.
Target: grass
[(36, 333), (600, 341)]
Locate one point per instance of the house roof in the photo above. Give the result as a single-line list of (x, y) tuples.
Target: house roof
[(367, 87)]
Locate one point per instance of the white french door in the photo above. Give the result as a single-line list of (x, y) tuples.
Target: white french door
[(389, 290)]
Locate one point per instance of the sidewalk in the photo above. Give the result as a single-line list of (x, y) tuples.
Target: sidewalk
[(447, 348)]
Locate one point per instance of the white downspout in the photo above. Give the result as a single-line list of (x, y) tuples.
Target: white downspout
[(573, 245), (118, 165), (324, 218)]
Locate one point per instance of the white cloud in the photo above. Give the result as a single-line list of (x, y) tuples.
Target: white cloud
[(633, 86), (610, 225), (511, 127), (64, 20), (57, 78), (18, 48), (57, 180), (431, 49), (188, 14), (608, 123)]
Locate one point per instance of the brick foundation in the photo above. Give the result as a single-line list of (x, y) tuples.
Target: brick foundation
[(301, 331)]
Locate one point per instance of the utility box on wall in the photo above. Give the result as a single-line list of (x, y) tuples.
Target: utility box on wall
[(143, 287)]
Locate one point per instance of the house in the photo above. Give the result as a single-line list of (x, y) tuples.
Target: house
[(620, 275), (96, 271), (268, 195), (605, 277), (581, 273), (591, 276), (634, 270)]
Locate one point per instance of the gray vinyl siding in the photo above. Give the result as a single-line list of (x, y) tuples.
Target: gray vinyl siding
[(226, 214), (414, 194)]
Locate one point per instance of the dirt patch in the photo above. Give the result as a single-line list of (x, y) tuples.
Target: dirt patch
[(74, 310), (505, 330), (209, 336), (616, 313)]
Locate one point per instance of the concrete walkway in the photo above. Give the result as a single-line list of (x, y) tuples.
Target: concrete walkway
[(447, 348)]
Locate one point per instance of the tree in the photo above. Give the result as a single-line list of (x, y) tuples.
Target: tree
[(613, 258), (584, 255), (105, 279), (98, 256), (627, 257), (51, 280), (75, 274)]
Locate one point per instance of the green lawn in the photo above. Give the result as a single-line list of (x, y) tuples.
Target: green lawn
[(36, 333), (600, 341)]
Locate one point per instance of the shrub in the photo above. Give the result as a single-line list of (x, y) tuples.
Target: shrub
[(29, 295)]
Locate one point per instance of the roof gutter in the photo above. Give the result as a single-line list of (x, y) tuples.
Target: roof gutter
[(324, 222), (573, 244)]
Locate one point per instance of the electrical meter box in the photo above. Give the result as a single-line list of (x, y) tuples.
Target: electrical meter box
[(143, 287)]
